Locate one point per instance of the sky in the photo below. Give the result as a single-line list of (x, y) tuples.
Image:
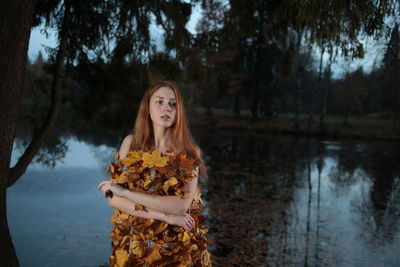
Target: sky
[(38, 40), (373, 56)]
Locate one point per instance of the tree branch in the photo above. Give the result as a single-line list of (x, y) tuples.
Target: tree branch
[(19, 169)]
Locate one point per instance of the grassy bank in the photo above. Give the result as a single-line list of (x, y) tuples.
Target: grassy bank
[(372, 126)]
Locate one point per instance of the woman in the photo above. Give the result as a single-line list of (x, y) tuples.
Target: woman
[(160, 124)]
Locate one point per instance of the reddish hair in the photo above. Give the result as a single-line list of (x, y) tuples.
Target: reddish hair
[(181, 138)]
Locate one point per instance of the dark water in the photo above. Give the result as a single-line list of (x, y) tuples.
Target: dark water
[(270, 201)]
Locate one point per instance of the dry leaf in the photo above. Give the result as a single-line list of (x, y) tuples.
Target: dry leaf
[(121, 256), (154, 158), (154, 255), (152, 173)]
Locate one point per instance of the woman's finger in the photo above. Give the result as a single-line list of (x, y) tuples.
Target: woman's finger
[(191, 220), (100, 185), (189, 227)]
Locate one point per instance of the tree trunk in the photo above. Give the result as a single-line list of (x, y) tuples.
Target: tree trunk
[(296, 124), (236, 106), (346, 116), (19, 169), (15, 24), (324, 101), (255, 102), (311, 117)]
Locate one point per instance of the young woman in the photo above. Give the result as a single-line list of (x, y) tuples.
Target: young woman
[(160, 124)]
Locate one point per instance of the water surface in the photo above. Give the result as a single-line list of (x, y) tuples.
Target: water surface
[(270, 201)]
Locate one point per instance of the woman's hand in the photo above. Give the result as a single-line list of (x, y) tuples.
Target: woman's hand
[(186, 221), (114, 188)]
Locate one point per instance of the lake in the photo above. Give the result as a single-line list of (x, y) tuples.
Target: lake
[(269, 201)]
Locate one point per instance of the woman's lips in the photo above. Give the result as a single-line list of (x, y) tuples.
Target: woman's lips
[(165, 117)]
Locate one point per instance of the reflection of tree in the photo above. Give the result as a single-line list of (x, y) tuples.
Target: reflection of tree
[(249, 194), (52, 151), (379, 213), (344, 174)]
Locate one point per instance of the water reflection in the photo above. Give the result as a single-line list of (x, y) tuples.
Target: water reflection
[(270, 201), (283, 201)]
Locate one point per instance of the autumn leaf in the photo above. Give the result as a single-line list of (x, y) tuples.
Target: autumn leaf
[(168, 236), (184, 162), (152, 173), (205, 258), (184, 237), (169, 252), (121, 257), (170, 182), (132, 158), (170, 169), (154, 255), (184, 258), (121, 179), (137, 248), (154, 158)]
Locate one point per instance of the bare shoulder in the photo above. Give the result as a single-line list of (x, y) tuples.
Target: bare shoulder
[(128, 139), (125, 146)]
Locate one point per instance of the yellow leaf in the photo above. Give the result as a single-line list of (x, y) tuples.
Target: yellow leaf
[(205, 258), (121, 256), (184, 237), (137, 248), (154, 158), (132, 158), (170, 182), (124, 216)]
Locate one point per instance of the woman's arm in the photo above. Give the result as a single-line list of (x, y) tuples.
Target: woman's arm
[(128, 206), (125, 205), (167, 204)]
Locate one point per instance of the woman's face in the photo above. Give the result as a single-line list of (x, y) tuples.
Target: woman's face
[(163, 107)]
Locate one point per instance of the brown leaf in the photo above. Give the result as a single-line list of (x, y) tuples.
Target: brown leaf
[(154, 255), (184, 162)]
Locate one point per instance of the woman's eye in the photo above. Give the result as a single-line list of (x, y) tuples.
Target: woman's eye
[(158, 102), (172, 104)]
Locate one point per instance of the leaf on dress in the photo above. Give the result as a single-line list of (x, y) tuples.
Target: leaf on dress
[(154, 158), (121, 256), (170, 182), (154, 255), (132, 158), (137, 248), (184, 162), (152, 173)]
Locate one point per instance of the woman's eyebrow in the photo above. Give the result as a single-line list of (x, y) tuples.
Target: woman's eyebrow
[(163, 97)]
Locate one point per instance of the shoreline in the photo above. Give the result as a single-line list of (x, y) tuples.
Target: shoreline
[(284, 126)]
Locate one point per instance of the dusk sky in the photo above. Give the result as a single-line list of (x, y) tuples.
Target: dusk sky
[(374, 49)]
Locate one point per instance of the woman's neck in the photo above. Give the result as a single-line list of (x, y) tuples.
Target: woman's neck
[(162, 140)]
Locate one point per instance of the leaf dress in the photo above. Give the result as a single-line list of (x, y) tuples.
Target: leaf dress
[(148, 242)]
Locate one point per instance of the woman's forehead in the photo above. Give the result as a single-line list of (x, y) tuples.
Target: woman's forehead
[(164, 92)]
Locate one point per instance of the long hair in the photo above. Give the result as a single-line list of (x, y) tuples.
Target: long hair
[(181, 138)]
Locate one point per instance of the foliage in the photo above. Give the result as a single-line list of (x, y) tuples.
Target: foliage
[(137, 240)]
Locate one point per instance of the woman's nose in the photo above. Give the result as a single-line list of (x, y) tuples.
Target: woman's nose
[(166, 107)]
